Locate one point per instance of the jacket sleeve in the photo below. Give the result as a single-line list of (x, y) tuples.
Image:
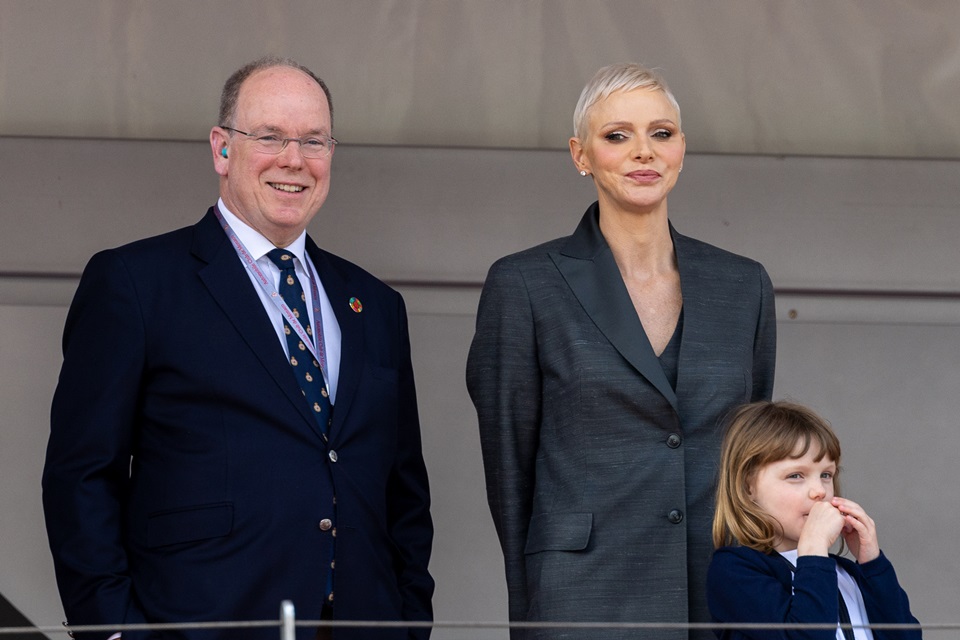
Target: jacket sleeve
[(765, 342), (883, 597), (504, 381), (743, 587), (408, 499), (86, 472)]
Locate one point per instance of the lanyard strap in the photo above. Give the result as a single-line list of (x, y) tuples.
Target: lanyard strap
[(315, 345)]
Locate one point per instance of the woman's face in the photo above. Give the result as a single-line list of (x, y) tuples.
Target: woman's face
[(633, 149)]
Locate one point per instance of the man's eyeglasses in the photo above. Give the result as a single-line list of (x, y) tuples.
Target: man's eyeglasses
[(317, 146)]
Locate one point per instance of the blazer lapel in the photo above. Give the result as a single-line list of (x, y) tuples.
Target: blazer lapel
[(589, 269), (698, 331), (225, 278), (338, 288)]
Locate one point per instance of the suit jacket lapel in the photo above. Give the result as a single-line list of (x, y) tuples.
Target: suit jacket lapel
[(338, 288), (588, 267), (226, 280), (698, 332)]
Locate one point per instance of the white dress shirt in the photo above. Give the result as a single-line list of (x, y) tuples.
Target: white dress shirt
[(258, 247)]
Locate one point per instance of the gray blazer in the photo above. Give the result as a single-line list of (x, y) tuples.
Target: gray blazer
[(600, 477)]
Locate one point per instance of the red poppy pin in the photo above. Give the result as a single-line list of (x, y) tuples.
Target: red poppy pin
[(355, 305)]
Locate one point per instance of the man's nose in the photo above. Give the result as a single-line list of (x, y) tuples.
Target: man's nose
[(290, 154)]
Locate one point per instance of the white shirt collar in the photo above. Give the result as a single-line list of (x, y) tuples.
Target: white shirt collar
[(256, 243), (790, 555)]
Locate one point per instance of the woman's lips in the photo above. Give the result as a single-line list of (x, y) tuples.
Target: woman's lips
[(643, 176)]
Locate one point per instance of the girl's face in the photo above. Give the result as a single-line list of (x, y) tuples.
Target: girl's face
[(788, 489)]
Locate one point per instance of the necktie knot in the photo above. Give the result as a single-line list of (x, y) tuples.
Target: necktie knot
[(282, 258)]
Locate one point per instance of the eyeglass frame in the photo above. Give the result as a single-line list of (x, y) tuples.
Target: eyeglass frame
[(331, 141)]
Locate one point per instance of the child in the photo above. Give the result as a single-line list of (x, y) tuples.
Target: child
[(779, 506)]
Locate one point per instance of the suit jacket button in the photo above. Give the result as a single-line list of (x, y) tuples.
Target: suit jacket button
[(326, 524), (675, 516), (332, 455), (673, 441)]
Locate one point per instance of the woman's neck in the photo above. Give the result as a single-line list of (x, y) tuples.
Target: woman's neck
[(640, 242)]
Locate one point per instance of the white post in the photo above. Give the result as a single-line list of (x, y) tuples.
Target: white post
[(288, 629)]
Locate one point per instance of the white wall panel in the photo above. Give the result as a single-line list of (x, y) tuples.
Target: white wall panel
[(29, 365)]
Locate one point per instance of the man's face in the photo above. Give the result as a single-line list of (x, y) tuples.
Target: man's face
[(277, 195)]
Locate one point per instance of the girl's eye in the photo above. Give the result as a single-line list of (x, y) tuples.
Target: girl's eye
[(794, 476), (615, 136), (826, 475)]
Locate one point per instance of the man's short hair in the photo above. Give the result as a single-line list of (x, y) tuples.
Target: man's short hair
[(231, 89)]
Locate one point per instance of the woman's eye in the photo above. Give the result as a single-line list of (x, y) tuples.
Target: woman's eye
[(663, 134), (615, 136)]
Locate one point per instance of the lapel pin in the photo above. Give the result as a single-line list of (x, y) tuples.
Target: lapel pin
[(355, 305)]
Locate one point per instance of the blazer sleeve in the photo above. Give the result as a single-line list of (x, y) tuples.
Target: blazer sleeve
[(87, 463), (408, 497), (883, 597), (765, 342), (742, 586), (504, 381)]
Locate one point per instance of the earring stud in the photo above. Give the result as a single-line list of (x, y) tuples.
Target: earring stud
[(582, 172)]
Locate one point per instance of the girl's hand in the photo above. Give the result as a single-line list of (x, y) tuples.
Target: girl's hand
[(822, 528), (859, 530)]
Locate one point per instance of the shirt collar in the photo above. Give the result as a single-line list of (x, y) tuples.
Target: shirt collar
[(791, 555), (256, 243)]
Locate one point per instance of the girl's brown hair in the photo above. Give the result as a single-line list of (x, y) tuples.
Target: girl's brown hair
[(759, 434)]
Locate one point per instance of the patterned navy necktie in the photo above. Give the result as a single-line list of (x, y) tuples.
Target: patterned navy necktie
[(305, 366)]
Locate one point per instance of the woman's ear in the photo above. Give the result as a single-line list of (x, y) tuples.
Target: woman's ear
[(579, 161)]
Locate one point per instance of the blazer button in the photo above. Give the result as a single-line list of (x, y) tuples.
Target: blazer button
[(675, 516), (332, 455), (673, 441), (326, 524)]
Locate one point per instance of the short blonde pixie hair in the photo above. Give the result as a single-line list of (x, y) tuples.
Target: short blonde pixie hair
[(625, 76), (759, 434)]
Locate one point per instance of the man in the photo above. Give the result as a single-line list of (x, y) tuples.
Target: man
[(211, 454)]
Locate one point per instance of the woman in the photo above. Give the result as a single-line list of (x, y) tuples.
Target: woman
[(600, 370)]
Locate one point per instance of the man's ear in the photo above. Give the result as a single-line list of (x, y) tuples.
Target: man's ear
[(218, 146)]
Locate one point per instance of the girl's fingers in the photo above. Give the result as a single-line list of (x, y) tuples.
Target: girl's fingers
[(852, 509)]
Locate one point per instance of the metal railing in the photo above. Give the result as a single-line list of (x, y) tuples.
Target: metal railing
[(287, 625)]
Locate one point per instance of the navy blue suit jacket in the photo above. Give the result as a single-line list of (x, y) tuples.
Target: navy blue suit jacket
[(185, 476), (745, 585)]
